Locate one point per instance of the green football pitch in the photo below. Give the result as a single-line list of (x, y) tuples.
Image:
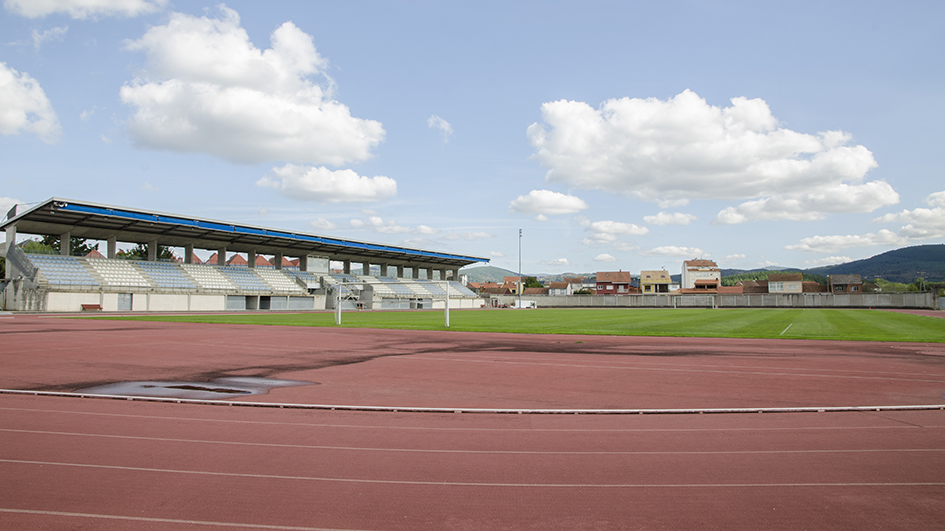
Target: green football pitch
[(836, 324)]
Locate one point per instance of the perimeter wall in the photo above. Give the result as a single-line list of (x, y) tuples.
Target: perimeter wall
[(908, 299)]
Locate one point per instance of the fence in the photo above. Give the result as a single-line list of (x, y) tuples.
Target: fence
[(909, 299)]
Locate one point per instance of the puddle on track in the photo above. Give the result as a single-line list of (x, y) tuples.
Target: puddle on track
[(216, 389)]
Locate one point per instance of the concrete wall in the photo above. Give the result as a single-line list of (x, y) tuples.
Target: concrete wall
[(70, 302), (747, 300), (207, 303), (164, 302)]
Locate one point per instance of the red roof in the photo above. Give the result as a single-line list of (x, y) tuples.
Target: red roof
[(614, 277), (237, 260), (261, 261), (94, 254), (700, 262)]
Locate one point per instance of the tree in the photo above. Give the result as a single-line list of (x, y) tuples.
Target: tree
[(140, 252), (38, 247), (77, 246), (532, 282)]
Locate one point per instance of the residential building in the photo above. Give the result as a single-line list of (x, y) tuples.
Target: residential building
[(614, 283), (576, 284), (656, 281), (845, 284), (700, 274), (559, 288), (785, 283)]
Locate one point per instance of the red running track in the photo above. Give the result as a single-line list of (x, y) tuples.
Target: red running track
[(71, 463)]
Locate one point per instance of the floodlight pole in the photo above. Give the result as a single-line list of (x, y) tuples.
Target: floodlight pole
[(447, 304), (520, 283)]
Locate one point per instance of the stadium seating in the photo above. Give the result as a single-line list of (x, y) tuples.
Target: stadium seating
[(245, 278), (62, 270), (208, 278), (166, 275), (279, 282), (118, 273)]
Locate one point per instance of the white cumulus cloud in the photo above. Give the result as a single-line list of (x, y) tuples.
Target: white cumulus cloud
[(831, 244), (672, 250), (319, 184), (82, 9), (608, 231), (547, 203), (496, 254), (435, 122), (25, 107), (52, 34), (671, 150), (921, 223), (377, 224), (558, 262), (604, 257), (667, 218), (322, 224), (207, 88), (828, 260)]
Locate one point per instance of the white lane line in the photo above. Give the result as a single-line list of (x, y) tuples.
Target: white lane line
[(445, 451), (786, 329), (475, 483), (473, 429), (164, 520)]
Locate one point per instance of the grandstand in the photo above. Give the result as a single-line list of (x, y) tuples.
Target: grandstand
[(410, 278)]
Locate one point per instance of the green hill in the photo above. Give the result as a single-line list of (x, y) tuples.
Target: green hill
[(899, 265)]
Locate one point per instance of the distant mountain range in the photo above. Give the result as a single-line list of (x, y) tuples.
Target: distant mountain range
[(898, 265)]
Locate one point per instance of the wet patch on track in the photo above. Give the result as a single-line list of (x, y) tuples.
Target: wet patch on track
[(215, 389)]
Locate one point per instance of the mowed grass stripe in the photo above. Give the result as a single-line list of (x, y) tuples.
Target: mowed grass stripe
[(836, 324)]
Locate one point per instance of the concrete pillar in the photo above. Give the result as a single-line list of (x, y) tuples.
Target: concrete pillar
[(251, 258), (415, 271), (400, 271), (221, 256), (303, 263), (11, 239), (442, 274), (365, 268), (455, 273), (64, 240), (278, 261), (189, 254), (110, 247), (152, 251), (347, 267)]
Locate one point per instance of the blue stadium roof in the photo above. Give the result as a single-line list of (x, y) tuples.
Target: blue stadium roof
[(100, 222)]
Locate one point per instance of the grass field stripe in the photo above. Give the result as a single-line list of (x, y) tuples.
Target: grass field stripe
[(472, 451), (473, 483), (164, 520), (786, 329)]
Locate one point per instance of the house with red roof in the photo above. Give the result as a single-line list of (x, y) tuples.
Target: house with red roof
[(615, 283)]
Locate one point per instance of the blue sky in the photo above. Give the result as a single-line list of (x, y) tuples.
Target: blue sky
[(616, 135)]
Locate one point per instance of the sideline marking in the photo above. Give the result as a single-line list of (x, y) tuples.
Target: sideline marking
[(786, 329), (165, 520), (413, 409), (480, 484)]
